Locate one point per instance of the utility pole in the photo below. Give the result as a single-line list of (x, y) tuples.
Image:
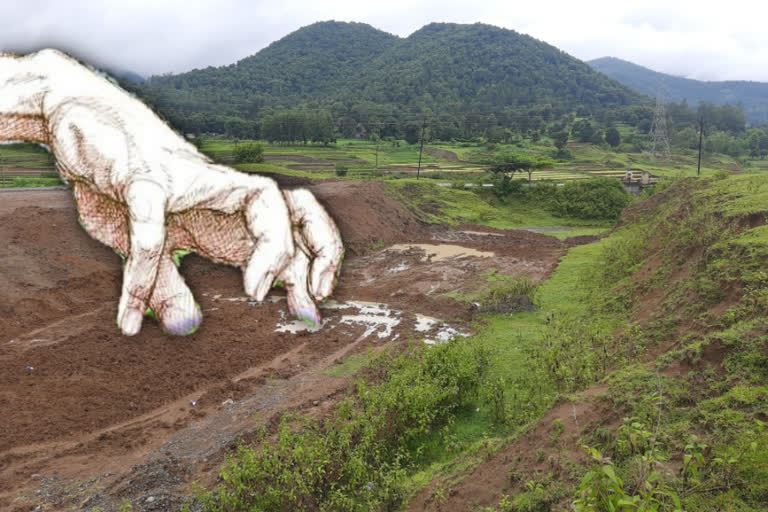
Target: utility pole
[(701, 134), (378, 142), (423, 127)]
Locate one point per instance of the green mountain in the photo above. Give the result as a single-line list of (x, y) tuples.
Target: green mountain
[(753, 96), (361, 74), (451, 64)]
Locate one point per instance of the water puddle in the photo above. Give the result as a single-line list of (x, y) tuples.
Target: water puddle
[(548, 229), (425, 323), (481, 233), (402, 266), (296, 326), (376, 318), (444, 333), (443, 251)]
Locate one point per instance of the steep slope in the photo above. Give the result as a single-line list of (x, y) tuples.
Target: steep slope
[(676, 420), (752, 95)]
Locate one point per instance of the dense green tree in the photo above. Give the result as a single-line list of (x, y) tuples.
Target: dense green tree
[(722, 142), (687, 138), (510, 163), (583, 130), (758, 143), (560, 139), (412, 133), (613, 137), (496, 134), (298, 126), (727, 118)]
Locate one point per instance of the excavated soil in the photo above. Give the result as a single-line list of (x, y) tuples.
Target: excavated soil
[(90, 418)]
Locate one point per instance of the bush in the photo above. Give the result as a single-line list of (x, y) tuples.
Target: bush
[(515, 295), (341, 170), (503, 185), (356, 459), (249, 153), (601, 198)]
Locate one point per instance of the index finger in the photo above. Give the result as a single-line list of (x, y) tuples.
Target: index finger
[(320, 238)]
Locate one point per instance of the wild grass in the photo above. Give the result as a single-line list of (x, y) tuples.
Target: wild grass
[(436, 204)]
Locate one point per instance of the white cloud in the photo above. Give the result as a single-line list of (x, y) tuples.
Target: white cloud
[(687, 38)]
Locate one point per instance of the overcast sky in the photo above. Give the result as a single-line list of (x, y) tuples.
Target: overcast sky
[(697, 39)]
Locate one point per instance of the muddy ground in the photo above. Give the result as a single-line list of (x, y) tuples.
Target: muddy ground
[(89, 418)]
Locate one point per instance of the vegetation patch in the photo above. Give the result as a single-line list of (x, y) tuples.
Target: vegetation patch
[(688, 427), (358, 457), (436, 204)]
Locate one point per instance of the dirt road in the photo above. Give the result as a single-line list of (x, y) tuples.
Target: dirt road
[(91, 418)]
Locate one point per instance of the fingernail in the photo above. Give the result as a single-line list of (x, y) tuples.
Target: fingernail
[(131, 323), (325, 287), (264, 286), (310, 315), (181, 325)]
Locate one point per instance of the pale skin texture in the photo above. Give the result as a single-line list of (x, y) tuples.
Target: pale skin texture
[(143, 190)]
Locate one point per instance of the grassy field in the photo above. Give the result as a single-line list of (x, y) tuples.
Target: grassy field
[(587, 160), (460, 206), (394, 159)]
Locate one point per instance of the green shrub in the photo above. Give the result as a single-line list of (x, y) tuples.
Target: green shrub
[(573, 353), (510, 296), (600, 198), (357, 458), (504, 186), (248, 153)]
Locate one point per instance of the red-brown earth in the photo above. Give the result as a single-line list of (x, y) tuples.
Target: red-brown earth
[(90, 418)]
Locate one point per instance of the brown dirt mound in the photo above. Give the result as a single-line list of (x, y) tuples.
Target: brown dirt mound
[(366, 215)]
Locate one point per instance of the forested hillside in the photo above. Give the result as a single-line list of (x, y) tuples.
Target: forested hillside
[(753, 96), (465, 78)]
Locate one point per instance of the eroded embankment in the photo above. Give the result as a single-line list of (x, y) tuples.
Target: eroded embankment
[(661, 368)]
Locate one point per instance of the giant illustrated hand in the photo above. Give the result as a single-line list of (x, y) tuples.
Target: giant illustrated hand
[(143, 190)]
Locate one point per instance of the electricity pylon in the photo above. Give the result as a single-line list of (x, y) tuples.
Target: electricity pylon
[(658, 134)]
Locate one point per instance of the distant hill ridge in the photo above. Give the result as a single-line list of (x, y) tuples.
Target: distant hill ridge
[(354, 69), (753, 96)]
